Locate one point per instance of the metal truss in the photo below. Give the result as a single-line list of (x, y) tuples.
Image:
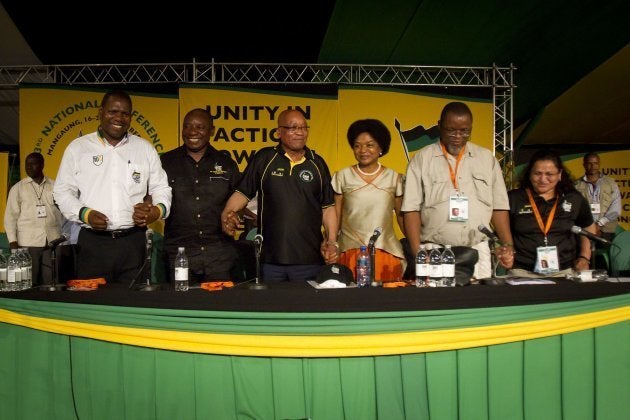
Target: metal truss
[(503, 102), (499, 79)]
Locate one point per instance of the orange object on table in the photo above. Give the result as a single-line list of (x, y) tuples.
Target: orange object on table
[(87, 284), (212, 286), (391, 284)]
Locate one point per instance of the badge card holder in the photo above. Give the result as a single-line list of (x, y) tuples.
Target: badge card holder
[(457, 208), (40, 211), (595, 209), (547, 260)]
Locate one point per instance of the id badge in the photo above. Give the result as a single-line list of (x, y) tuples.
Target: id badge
[(547, 260), (41, 211), (458, 208), (595, 209)]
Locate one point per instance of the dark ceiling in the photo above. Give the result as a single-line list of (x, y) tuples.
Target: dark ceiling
[(78, 32), (556, 46)]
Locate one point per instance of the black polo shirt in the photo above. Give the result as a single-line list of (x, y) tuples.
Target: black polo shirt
[(200, 190), (572, 210), (290, 203)]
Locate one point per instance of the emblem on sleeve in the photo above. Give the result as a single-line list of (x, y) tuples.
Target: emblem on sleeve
[(566, 206)]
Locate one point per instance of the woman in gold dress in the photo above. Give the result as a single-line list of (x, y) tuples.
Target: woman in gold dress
[(367, 196)]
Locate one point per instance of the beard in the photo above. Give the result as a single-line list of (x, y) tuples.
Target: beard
[(455, 149)]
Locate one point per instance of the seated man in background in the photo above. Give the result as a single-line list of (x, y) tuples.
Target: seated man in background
[(602, 194)]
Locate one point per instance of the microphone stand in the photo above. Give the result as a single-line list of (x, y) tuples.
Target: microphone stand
[(145, 271), (372, 252), (258, 284), (53, 286), (494, 261)]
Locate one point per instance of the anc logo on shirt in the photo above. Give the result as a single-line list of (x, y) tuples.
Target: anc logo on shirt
[(526, 209), (306, 175), (218, 170), (97, 160), (278, 172), (136, 177)]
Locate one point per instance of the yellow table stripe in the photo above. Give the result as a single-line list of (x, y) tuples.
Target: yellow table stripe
[(323, 345)]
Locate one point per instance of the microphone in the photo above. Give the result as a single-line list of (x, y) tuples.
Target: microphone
[(53, 244), (579, 231), (375, 235), (258, 240), (490, 234), (149, 235)]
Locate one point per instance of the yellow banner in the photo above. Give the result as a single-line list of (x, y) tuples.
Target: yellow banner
[(614, 165), (341, 345), (245, 120), (411, 118), (51, 117)]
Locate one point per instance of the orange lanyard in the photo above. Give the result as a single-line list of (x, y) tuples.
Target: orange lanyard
[(544, 228), (450, 168)]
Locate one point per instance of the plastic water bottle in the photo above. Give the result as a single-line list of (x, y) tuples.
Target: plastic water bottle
[(448, 267), (363, 268), (181, 270), (435, 268), (27, 269), (422, 267), (14, 271), (588, 276), (3, 273)]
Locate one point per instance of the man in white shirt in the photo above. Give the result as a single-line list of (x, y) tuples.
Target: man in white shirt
[(31, 219), (102, 182)]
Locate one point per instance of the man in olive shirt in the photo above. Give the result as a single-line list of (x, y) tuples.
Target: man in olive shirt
[(452, 187)]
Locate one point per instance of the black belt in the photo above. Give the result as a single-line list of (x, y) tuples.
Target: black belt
[(115, 234)]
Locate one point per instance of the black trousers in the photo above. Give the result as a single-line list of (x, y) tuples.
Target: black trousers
[(42, 265), (117, 259)]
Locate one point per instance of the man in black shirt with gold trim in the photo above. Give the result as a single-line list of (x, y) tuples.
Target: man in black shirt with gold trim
[(202, 179), (295, 198)]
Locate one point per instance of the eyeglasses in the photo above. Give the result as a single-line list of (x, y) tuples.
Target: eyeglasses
[(295, 128), (464, 133), (545, 174)]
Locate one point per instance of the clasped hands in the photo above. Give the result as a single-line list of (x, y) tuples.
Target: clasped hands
[(231, 221), (143, 215), (505, 255)]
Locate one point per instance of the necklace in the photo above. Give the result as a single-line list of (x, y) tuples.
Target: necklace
[(369, 173)]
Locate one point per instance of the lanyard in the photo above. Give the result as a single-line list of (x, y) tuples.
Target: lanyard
[(544, 228), (453, 173), (41, 191)]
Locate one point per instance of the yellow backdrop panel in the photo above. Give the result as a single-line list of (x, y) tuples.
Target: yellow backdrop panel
[(245, 120), (51, 117), (403, 113)]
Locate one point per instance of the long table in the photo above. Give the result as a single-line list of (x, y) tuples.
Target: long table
[(290, 352)]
